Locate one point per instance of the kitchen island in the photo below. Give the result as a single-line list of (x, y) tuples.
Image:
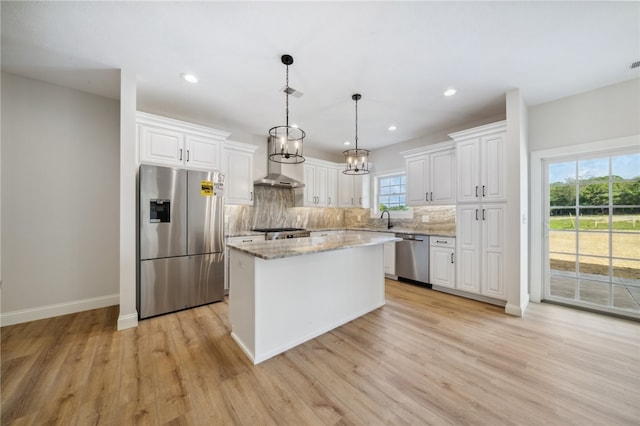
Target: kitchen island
[(285, 292)]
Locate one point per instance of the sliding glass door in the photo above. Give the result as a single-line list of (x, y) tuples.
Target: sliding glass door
[(593, 232)]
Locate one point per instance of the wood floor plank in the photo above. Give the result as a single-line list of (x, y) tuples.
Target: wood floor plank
[(423, 358)]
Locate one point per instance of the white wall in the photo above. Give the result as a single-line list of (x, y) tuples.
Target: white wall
[(60, 200), (606, 113)]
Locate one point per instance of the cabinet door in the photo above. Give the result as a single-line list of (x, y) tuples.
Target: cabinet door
[(332, 187), (443, 177), (202, 153), (345, 190), (321, 186), (492, 167), (238, 178), (361, 191), (493, 250), (161, 146), (442, 267), (417, 181), (468, 165), (309, 185), (468, 248)]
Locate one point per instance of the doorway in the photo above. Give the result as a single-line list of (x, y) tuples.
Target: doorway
[(592, 229)]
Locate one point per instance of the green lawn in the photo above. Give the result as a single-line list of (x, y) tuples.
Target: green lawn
[(620, 223)]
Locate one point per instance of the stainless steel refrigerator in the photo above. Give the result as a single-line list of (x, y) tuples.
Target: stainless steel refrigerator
[(181, 239)]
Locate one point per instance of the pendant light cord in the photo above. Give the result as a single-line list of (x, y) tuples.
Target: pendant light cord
[(356, 127), (286, 91)]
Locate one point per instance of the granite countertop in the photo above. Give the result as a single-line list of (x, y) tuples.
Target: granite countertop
[(276, 249), (393, 230)]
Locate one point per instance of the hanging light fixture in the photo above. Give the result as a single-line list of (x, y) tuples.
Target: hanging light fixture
[(286, 141), (356, 160)]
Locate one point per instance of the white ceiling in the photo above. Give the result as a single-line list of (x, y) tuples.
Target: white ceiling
[(400, 56)]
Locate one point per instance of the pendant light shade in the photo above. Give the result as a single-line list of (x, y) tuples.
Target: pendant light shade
[(356, 161), (286, 146)]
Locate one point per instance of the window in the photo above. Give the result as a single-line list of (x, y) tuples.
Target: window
[(593, 245), (391, 195)]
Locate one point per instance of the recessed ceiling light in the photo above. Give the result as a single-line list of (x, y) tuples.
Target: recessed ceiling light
[(347, 143), (450, 92), (392, 128), (189, 77)]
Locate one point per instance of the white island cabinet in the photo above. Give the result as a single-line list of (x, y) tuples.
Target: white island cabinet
[(285, 292)]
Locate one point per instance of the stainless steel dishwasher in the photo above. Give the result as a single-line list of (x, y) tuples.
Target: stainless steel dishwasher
[(412, 258)]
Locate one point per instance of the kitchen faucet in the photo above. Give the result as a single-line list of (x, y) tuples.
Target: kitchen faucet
[(389, 225)]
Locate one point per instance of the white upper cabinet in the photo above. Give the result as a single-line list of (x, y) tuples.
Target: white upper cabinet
[(431, 177), (480, 163), (238, 169), (332, 187), (320, 184), (167, 142), (353, 190)]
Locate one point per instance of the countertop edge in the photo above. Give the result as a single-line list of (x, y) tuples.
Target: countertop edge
[(301, 250)]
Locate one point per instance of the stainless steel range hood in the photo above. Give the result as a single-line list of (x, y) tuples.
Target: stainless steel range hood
[(275, 178)]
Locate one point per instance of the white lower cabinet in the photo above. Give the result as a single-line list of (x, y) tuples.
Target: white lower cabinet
[(442, 267), (480, 249), (248, 239)]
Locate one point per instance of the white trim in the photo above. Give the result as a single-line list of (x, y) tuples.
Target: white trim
[(428, 149), (536, 253), (180, 126), (516, 310), (49, 311), (127, 321), (240, 146), (476, 132)]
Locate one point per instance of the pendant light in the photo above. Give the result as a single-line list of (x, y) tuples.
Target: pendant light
[(286, 141), (356, 160)]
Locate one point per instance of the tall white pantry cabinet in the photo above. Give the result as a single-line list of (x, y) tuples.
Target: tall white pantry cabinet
[(481, 203)]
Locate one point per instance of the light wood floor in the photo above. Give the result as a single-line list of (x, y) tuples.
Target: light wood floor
[(424, 358)]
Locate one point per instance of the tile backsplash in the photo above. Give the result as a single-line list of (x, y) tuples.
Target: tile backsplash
[(275, 208)]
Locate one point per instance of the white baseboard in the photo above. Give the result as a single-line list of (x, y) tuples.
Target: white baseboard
[(516, 310), (127, 321), (48, 311)]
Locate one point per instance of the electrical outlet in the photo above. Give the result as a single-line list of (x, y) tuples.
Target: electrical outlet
[(298, 218), (359, 218), (425, 218), (337, 217)]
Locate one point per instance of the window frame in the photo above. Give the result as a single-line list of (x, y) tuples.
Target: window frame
[(375, 211)]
